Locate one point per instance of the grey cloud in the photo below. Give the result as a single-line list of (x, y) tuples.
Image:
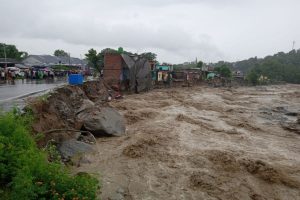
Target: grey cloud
[(138, 36), (179, 30)]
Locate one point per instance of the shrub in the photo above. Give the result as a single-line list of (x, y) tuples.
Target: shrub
[(252, 77), (224, 71), (25, 171)]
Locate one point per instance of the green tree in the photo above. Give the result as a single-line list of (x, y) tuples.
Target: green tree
[(109, 50), (200, 64), (60, 53), (149, 55), (252, 77), (95, 60), (224, 71), (11, 51), (120, 50), (278, 67), (221, 63)]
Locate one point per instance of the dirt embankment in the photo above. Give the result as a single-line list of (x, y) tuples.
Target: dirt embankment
[(58, 110), (203, 143)]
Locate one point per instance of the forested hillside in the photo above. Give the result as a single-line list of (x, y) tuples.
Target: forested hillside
[(279, 67)]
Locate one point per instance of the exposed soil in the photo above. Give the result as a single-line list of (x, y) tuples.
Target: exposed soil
[(203, 143), (58, 109)]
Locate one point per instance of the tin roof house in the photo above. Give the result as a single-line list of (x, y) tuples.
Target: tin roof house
[(8, 62), (48, 60)]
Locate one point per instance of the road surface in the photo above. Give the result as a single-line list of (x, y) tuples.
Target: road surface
[(14, 94)]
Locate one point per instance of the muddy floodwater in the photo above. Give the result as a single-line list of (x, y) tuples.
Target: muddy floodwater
[(203, 143)]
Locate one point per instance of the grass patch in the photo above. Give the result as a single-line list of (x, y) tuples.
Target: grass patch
[(26, 173), (44, 97)]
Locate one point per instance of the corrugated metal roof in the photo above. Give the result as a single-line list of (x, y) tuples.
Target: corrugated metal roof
[(128, 60), (52, 60), (8, 60)]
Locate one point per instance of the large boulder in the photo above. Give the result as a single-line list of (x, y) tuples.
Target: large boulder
[(73, 147), (102, 121), (86, 105)]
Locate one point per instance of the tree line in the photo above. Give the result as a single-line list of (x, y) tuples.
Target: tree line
[(280, 67), (11, 51)]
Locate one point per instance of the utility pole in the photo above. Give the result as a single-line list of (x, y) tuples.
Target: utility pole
[(5, 55), (294, 42), (81, 63), (69, 59)]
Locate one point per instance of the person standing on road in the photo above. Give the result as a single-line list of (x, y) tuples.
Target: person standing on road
[(2, 75), (33, 74), (13, 75)]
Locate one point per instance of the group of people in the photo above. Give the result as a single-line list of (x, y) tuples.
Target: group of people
[(38, 74), (8, 74)]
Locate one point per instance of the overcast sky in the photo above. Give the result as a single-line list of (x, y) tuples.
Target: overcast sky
[(177, 30)]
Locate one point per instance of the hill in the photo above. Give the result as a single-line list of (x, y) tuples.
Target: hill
[(279, 67)]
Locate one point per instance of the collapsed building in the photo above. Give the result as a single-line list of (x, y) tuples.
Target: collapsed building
[(127, 72)]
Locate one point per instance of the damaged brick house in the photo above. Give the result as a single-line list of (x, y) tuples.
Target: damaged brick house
[(126, 70)]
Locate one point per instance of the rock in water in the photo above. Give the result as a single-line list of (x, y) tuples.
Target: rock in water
[(103, 121), (72, 147)]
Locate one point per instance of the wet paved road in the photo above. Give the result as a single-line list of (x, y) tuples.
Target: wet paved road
[(13, 94)]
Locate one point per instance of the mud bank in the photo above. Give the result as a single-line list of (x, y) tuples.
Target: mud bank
[(63, 113), (203, 143)]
